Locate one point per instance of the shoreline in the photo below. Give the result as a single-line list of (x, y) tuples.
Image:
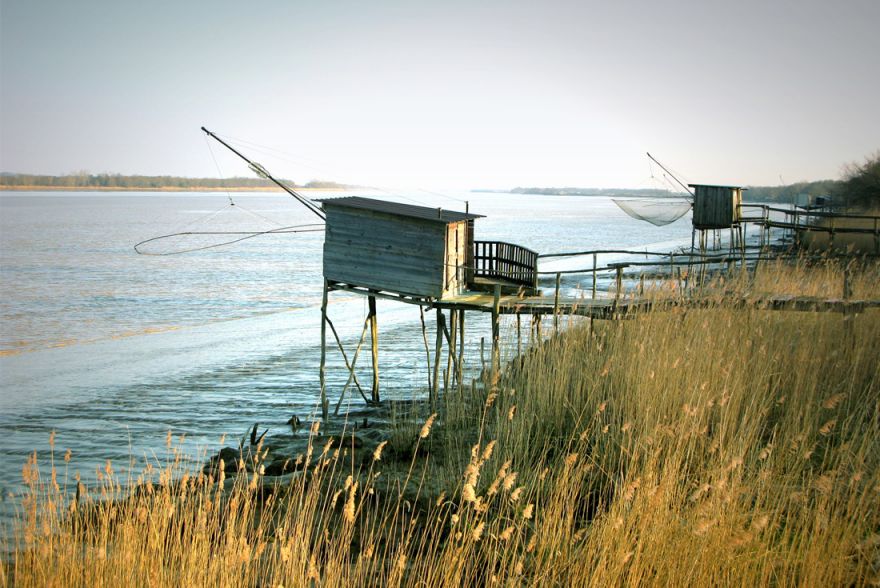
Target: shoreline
[(163, 189)]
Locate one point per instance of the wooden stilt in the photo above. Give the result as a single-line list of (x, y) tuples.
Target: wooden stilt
[(594, 276), (374, 339), (451, 358), (322, 370), (876, 236), (438, 349), (691, 257), (483, 353), (450, 341), (556, 304), (702, 253), (461, 314), (427, 350), (618, 282), (453, 344), (496, 329), (518, 336)]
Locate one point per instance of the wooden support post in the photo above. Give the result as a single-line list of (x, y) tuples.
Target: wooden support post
[(374, 339), (496, 329), (594, 276), (438, 349), (322, 370), (427, 350), (556, 304), (847, 282), (450, 341), (702, 258), (691, 256), (461, 349), (483, 353), (831, 225), (451, 357), (518, 336), (618, 281), (876, 237)]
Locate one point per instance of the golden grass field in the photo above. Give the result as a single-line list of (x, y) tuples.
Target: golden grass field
[(719, 446)]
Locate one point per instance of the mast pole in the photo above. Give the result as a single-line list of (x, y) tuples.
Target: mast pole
[(686, 189), (260, 170)]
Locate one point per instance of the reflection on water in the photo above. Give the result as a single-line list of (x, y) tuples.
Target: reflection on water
[(112, 349)]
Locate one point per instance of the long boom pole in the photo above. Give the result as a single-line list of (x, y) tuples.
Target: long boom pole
[(686, 189), (261, 171)]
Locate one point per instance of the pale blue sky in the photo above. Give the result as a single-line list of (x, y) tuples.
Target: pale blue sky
[(443, 94)]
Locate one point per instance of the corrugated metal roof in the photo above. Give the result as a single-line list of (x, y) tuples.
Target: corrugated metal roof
[(716, 186), (411, 210)]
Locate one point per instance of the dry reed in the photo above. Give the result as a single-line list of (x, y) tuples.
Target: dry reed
[(721, 445)]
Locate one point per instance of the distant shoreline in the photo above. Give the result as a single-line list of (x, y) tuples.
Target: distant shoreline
[(158, 189)]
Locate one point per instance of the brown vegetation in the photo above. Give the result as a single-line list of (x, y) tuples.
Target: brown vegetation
[(686, 447)]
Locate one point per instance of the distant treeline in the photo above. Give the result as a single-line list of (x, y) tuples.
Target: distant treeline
[(87, 181), (790, 193), (786, 194), (857, 190)]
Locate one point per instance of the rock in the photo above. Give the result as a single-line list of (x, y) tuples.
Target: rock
[(229, 456), (281, 466), (349, 441)]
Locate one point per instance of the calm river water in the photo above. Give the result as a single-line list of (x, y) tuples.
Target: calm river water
[(112, 349)]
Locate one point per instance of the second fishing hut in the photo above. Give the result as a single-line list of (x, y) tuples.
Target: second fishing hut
[(414, 254), (717, 207)]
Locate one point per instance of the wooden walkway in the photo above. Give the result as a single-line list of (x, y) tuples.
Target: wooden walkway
[(610, 308)]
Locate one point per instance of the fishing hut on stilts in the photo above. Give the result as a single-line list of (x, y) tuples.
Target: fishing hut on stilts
[(416, 255), (716, 208)]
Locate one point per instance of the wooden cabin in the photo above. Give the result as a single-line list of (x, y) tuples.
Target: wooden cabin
[(399, 248), (716, 207)]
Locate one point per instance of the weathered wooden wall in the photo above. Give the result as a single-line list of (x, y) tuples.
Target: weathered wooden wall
[(385, 252), (716, 207)]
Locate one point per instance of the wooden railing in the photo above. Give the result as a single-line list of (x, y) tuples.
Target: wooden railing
[(506, 261)]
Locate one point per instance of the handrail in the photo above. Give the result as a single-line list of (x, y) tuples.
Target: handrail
[(680, 258), (600, 251), (506, 261), (796, 212)]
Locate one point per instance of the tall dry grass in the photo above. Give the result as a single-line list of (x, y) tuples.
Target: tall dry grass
[(685, 447)]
